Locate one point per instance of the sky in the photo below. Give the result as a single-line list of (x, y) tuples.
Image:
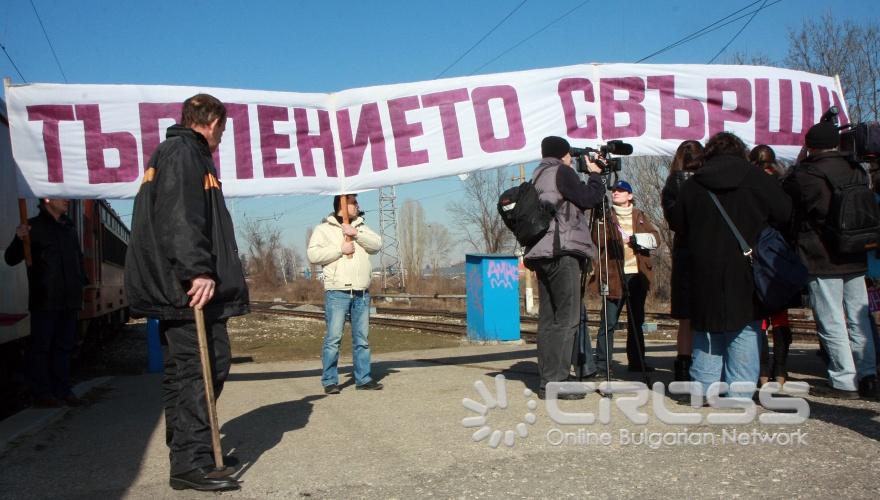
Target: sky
[(327, 46)]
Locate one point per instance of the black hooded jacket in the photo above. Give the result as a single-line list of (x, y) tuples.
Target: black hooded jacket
[(55, 277), (811, 194), (180, 230), (722, 297)]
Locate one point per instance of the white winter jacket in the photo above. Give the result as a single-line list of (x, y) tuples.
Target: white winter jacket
[(340, 272)]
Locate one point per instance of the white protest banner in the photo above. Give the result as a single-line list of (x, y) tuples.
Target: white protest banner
[(93, 141)]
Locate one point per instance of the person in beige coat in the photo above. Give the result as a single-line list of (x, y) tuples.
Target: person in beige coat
[(343, 250)]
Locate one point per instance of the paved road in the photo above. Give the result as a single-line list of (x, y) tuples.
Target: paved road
[(408, 440)]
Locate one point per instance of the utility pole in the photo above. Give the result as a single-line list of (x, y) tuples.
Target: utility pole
[(530, 296), (389, 255)]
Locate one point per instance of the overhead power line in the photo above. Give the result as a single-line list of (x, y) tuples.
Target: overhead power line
[(526, 39), (715, 25), (755, 13), (45, 34), (447, 68), (23, 79)]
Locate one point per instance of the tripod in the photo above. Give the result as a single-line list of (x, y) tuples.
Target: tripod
[(600, 219)]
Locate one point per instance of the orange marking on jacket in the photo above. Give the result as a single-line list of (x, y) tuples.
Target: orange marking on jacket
[(149, 175), (211, 182)]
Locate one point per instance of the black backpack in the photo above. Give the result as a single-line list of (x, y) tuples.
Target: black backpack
[(853, 222), (524, 214)]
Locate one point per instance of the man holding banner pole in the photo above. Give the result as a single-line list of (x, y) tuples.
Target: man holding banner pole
[(183, 267)]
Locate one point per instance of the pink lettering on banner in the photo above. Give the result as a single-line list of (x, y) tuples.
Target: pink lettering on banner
[(50, 115), (669, 104), (632, 106), (824, 99), (405, 131), (353, 145), (718, 116), (516, 137), (825, 103), (807, 110), (786, 134), (150, 114), (446, 101), (97, 141), (270, 142), (241, 136), (566, 89), (502, 274), (306, 142)]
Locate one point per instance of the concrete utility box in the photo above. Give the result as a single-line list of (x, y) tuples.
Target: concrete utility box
[(492, 297)]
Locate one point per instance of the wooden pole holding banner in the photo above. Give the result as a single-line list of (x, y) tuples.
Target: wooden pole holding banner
[(209, 386), (343, 202), (23, 219), (22, 203)]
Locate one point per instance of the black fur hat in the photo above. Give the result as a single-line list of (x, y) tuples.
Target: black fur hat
[(554, 147), (823, 135)]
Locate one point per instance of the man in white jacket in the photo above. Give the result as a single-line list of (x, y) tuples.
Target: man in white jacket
[(344, 252)]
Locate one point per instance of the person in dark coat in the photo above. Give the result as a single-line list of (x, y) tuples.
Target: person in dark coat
[(688, 158), (724, 312), (560, 257), (55, 294), (837, 280), (182, 255), (763, 157)]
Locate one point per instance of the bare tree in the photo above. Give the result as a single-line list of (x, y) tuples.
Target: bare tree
[(264, 245), (753, 59), (843, 48), (313, 268), (290, 261), (477, 214), (439, 244), (413, 235)]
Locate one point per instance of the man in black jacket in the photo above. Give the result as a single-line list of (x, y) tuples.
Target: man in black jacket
[(837, 280), (182, 255), (55, 293), (723, 309), (559, 259)]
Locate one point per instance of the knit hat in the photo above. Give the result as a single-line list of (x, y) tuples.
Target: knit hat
[(823, 135), (554, 147)]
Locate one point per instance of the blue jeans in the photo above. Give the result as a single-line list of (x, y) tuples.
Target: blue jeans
[(727, 357), (339, 304), (840, 307)]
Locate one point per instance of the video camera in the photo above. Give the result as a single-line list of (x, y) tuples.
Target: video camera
[(601, 156), (861, 141)]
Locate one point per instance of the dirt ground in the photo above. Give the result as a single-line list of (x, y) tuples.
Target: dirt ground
[(269, 337), (255, 338)]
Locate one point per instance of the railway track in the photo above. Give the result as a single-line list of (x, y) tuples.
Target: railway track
[(803, 329)]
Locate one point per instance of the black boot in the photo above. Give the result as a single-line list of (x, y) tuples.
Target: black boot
[(682, 367), (869, 388), (781, 343)]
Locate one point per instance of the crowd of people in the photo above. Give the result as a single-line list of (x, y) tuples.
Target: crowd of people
[(183, 257), (724, 329)]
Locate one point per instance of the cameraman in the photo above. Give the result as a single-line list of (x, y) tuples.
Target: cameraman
[(837, 280), (560, 257), (630, 238)]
